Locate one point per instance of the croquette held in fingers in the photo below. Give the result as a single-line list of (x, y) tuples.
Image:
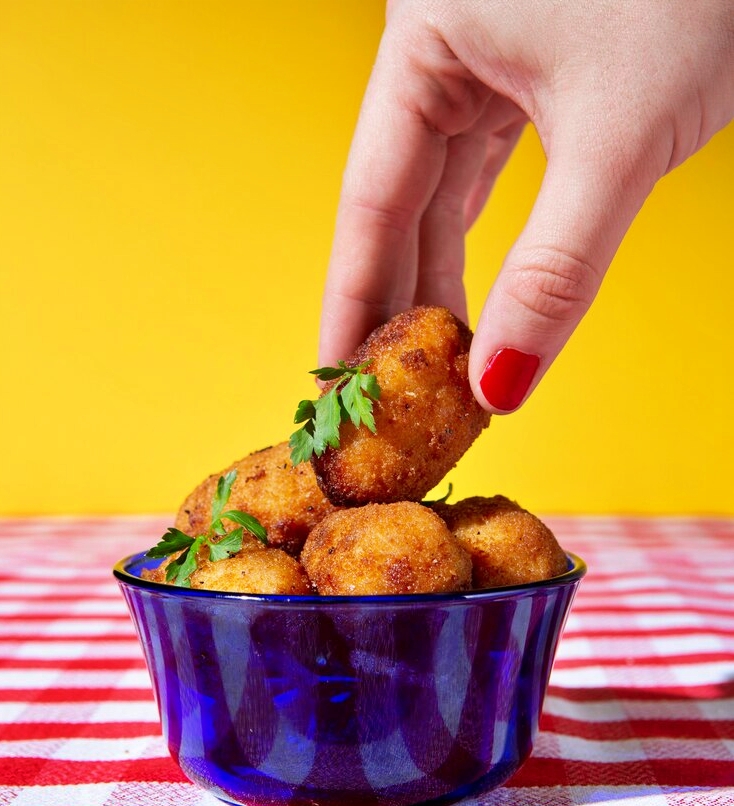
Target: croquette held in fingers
[(393, 548), (426, 417), (507, 544), (285, 499)]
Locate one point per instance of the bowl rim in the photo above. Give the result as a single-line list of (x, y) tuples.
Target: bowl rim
[(577, 569)]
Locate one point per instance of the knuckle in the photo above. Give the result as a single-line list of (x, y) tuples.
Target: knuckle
[(554, 285), (384, 215), (448, 203)]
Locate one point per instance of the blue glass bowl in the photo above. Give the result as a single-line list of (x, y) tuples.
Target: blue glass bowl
[(349, 700)]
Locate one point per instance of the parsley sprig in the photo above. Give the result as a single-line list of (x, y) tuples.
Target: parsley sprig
[(350, 398), (443, 499), (220, 542)]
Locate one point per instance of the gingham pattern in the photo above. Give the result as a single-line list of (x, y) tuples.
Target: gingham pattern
[(640, 710)]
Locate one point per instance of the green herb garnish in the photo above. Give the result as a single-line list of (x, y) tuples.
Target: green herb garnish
[(350, 398), (220, 542), (441, 500)]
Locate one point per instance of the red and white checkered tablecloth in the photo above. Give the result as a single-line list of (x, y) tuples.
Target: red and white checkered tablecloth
[(640, 710)]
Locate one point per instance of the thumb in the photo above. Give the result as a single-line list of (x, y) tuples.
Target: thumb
[(553, 272)]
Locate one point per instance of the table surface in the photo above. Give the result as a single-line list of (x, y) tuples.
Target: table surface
[(640, 708)]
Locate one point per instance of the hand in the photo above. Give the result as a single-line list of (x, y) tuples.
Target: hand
[(620, 92)]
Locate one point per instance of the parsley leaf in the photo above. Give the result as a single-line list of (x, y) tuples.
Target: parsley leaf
[(230, 544), (180, 569), (301, 443), (172, 541), (253, 525), (356, 404), (221, 496), (350, 398), (327, 420), (219, 542)]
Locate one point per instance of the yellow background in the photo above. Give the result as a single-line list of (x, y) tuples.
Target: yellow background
[(169, 173)]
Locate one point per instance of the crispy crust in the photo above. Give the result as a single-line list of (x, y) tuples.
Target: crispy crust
[(254, 569), (270, 571), (285, 499), (507, 544), (426, 417), (158, 574), (385, 549)]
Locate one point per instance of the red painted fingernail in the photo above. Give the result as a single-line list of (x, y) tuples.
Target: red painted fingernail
[(507, 378)]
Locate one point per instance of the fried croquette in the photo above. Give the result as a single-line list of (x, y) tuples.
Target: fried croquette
[(285, 499), (158, 574), (270, 571), (395, 548), (426, 417), (507, 544)]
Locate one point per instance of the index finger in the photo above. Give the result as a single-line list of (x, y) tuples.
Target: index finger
[(416, 99)]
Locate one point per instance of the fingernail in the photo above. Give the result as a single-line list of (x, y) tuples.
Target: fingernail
[(507, 378)]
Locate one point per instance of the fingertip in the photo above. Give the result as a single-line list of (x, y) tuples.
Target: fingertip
[(506, 379)]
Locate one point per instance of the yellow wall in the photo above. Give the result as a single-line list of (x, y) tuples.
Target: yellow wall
[(169, 173)]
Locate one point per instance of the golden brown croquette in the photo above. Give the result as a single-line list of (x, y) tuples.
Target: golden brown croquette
[(426, 417), (507, 544), (285, 499), (158, 574), (269, 571), (395, 548)]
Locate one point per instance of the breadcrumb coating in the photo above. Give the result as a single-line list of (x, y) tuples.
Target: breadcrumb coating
[(508, 545), (285, 499), (270, 571), (394, 548), (426, 417), (158, 574)]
